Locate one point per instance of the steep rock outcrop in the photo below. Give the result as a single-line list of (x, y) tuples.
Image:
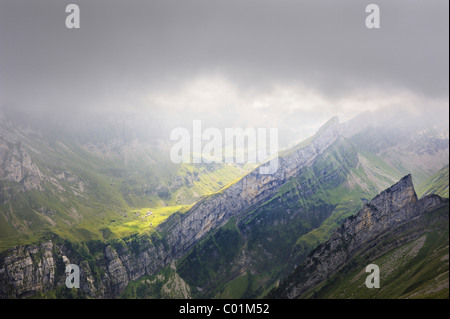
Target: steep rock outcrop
[(16, 165), (391, 208), (27, 269), (32, 269)]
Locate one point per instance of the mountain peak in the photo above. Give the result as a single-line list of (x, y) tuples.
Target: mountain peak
[(392, 206), (324, 137), (331, 124), (397, 196)]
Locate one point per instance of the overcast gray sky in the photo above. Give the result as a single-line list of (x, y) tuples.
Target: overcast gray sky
[(247, 62)]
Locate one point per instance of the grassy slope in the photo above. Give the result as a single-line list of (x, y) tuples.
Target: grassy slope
[(167, 284), (364, 181), (112, 186), (403, 154), (436, 184)]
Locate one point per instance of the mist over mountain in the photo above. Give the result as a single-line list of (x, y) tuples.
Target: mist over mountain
[(86, 174), (219, 227)]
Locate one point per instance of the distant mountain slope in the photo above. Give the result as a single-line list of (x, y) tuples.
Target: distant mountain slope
[(436, 184), (407, 237), (52, 180), (410, 143)]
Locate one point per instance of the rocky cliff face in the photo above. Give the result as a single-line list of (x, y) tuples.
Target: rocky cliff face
[(26, 270), (216, 210), (31, 269), (16, 165), (391, 208)]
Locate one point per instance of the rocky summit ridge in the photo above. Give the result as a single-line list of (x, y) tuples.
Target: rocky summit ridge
[(394, 206), (217, 209)]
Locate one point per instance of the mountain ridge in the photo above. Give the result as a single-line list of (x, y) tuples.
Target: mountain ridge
[(391, 208), (319, 182), (250, 189)]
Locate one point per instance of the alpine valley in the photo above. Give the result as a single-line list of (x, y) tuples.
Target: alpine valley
[(106, 197)]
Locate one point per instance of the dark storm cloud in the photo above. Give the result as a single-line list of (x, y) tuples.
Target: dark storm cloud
[(126, 48)]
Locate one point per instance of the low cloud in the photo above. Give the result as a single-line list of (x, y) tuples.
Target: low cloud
[(274, 63)]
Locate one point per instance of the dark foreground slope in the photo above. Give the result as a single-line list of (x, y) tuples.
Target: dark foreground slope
[(406, 237)]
